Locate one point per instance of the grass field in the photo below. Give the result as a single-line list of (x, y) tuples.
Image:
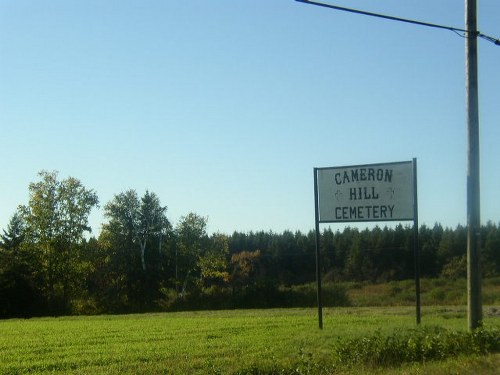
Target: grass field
[(278, 341)]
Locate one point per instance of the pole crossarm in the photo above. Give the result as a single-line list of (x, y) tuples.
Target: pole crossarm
[(406, 20)]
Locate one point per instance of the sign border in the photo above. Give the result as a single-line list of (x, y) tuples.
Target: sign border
[(316, 187)]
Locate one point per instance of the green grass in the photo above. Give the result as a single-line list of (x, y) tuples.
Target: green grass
[(285, 341)]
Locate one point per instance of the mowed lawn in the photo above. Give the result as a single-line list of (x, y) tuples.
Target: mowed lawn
[(227, 342)]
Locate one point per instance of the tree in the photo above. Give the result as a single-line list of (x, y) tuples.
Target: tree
[(245, 265), (429, 240), (18, 294), (453, 244), (191, 240), (214, 263), (152, 222), (12, 238), (134, 236), (56, 219), (123, 215), (491, 251), (136, 221)]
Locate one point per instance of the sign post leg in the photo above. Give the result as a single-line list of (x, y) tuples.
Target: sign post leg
[(318, 258), (416, 252)]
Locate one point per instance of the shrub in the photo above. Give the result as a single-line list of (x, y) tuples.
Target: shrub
[(85, 306), (168, 299), (456, 268)]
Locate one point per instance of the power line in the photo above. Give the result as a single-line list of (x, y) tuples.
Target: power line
[(399, 19)]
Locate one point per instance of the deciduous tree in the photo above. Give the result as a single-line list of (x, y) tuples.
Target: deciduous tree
[(56, 220)]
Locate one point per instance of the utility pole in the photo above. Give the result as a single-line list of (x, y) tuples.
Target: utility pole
[(474, 303), (473, 189)]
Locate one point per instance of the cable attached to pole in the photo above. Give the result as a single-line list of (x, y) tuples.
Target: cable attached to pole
[(406, 20)]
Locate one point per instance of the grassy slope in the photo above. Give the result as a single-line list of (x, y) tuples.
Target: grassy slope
[(205, 342), (434, 292)]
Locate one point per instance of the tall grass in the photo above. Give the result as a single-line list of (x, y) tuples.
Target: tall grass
[(414, 345), (434, 292)]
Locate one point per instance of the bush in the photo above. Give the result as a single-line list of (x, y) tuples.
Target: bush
[(456, 268), (85, 306), (168, 299)]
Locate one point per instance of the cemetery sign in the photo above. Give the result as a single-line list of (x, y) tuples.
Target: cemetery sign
[(372, 192)]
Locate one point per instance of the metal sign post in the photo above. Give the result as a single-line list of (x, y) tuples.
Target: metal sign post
[(416, 251), (318, 257)]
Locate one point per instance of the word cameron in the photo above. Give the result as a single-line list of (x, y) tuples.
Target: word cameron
[(363, 174)]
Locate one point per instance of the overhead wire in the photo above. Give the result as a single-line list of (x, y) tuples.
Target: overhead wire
[(456, 30)]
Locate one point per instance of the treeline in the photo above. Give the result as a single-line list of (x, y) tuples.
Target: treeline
[(143, 262)]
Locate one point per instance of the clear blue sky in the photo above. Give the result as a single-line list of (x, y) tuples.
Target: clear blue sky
[(224, 107)]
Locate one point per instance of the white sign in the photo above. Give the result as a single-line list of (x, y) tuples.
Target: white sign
[(374, 192)]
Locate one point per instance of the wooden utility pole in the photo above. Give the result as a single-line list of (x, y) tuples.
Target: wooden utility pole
[(473, 193)]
